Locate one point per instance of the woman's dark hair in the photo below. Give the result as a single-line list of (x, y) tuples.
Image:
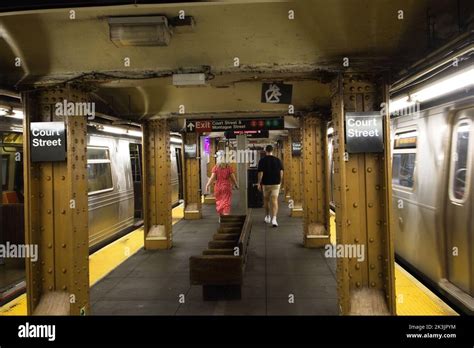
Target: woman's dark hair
[(269, 148)]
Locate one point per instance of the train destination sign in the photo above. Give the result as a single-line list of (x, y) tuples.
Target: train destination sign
[(47, 141), (245, 124), (364, 132)]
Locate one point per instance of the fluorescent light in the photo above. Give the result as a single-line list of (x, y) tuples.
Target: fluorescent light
[(189, 79), (139, 31), (458, 81), (463, 79), (134, 133), (119, 130)]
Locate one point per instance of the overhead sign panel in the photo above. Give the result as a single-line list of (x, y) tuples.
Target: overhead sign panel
[(248, 133), (214, 125), (47, 141), (276, 93), (364, 132)]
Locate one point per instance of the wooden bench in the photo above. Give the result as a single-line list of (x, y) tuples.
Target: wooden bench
[(220, 268)]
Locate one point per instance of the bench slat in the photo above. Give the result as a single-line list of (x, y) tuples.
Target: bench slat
[(222, 244), (226, 236), (218, 252)]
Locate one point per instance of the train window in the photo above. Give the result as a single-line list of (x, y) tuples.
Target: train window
[(404, 159), (403, 168), (460, 162), (97, 153), (99, 170), (135, 159)]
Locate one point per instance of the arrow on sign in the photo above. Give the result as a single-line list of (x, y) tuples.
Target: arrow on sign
[(191, 126)]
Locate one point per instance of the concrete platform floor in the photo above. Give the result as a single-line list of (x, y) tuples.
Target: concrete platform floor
[(151, 282)]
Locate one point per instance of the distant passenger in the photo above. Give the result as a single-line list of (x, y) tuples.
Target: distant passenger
[(223, 175), (270, 173)]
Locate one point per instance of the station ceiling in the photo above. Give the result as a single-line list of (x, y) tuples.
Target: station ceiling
[(270, 47)]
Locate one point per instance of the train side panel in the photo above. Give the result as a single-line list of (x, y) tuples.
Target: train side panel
[(418, 206), (111, 195)]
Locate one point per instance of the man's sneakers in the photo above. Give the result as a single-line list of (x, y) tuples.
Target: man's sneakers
[(274, 222), (268, 220)]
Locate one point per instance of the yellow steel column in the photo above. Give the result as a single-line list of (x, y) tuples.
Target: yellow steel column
[(210, 199), (296, 202), (192, 192), (316, 223), (286, 152), (156, 185), (365, 286), (56, 210)]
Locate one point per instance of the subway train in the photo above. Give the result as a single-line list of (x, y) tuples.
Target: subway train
[(432, 167), (114, 170), (115, 182), (432, 164), (114, 176)]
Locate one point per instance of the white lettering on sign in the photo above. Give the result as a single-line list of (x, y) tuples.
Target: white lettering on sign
[(45, 132), (37, 142), (364, 132), (41, 142), (51, 135), (351, 132)]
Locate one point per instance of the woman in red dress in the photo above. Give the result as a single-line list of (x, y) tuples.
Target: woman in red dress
[(223, 175)]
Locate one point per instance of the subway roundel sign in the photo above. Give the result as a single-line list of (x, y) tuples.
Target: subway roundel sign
[(223, 125)]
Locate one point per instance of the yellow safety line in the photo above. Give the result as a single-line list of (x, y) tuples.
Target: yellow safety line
[(413, 298), (15, 307), (101, 263)]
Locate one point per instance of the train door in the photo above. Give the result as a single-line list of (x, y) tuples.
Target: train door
[(179, 163), (330, 163), (136, 165), (12, 269), (459, 203)]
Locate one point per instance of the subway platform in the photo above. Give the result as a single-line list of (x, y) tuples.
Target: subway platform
[(278, 270)]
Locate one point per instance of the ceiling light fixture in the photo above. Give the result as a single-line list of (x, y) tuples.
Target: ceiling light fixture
[(193, 79), (139, 31), (117, 130)]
